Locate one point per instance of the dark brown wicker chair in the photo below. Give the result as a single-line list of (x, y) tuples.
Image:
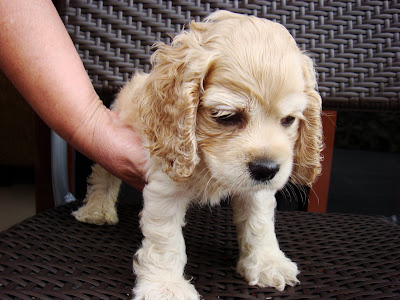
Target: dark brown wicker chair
[(355, 45), (356, 49)]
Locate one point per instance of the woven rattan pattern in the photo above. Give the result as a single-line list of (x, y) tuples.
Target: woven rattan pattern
[(52, 256), (355, 43)]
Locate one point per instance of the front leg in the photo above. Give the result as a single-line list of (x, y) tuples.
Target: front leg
[(159, 263), (261, 261)]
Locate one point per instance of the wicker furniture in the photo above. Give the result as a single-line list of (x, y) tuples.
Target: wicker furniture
[(52, 256), (355, 43)]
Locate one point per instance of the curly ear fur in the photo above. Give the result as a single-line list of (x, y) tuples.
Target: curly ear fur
[(307, 159), (169, 105)]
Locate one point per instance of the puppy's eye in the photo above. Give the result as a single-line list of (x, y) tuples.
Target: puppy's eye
[(227, 118), (287, 121)]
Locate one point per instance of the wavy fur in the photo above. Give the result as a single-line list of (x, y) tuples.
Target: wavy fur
[(230, 108)]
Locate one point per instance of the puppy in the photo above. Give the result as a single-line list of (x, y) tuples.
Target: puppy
[(229, 108)]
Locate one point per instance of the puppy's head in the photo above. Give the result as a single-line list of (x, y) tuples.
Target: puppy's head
[(236, 95)]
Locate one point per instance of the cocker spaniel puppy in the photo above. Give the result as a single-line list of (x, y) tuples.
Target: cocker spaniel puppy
[(229, 108)]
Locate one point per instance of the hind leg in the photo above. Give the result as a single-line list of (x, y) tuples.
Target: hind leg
[(101, 197)]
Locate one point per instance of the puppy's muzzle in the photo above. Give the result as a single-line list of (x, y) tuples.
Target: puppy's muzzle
[(263, 170)]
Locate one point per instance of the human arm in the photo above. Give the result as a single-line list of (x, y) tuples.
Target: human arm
[(38, 56)]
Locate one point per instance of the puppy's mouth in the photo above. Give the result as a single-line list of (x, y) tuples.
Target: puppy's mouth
[(241, 174)]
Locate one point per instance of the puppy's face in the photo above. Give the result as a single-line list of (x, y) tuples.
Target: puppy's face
[(235, 98), (246, 129)]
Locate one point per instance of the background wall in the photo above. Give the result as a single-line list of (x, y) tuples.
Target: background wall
[(17, 134), (365, 174)]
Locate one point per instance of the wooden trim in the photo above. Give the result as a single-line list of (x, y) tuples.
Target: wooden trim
[(318, 197)]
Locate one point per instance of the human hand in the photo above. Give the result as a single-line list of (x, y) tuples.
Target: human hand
[(115, 146)]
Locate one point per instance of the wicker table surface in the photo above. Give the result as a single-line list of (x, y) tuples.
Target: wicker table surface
[(52, 256)]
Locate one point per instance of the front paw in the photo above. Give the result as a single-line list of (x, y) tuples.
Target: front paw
[(274, 270), (165, 288)]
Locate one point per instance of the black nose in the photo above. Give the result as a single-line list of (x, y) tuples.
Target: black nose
[(263, 169)]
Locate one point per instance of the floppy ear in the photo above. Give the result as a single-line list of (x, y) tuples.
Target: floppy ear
[(169, 105), (307, 158)]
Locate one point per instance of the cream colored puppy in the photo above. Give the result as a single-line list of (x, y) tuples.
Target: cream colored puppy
[(230, 108)]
